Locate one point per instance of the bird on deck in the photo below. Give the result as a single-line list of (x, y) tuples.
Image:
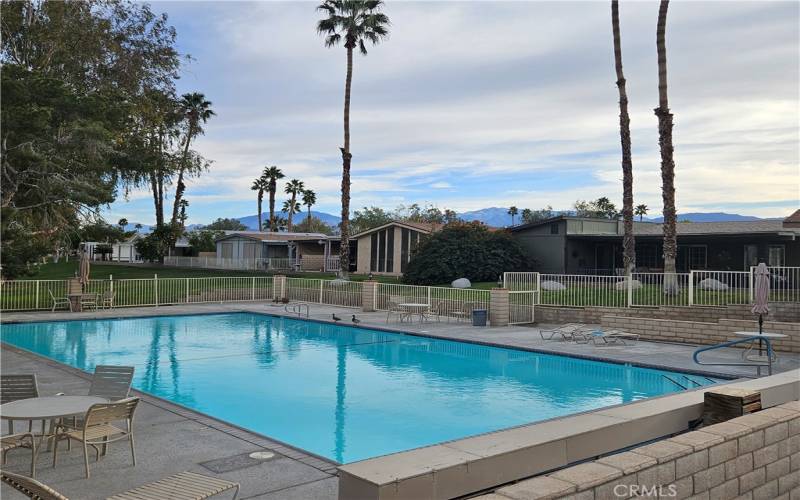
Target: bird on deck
[(335, 317), (356, 320)]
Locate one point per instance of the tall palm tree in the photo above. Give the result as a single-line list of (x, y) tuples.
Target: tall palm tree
[(291, 207), (641, 211), (513, 211), (195, 109), (628, 242), (260, 185), (354, 21), (309, 199), (294, 188), (667, 162), (272, 174)]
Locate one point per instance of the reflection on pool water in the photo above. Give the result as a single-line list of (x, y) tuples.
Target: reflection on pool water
[(341, 392)]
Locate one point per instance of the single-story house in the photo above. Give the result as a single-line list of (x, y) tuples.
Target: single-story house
[(581, 245), (307, 251), (387, 249), (125, 250)]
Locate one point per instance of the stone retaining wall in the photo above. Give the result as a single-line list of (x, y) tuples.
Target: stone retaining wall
[(779, 311), (699, 332), (756, 457)]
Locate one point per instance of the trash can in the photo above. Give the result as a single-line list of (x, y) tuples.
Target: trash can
[(479, 317)]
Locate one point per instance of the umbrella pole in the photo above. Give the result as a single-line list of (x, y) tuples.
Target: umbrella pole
[(760, 331)]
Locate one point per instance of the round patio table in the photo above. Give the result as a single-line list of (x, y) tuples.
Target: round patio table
[(48, 408), (412, 309), (747, 354)]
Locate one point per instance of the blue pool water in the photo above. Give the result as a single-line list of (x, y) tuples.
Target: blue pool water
[(341, 392)]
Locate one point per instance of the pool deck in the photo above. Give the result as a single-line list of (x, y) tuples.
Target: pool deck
[(171, 438)]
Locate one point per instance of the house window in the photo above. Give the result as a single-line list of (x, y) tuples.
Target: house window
[(373, 252), (227, 250), (647, 256), (750, 255), (381, 251), (777, 255), (554, 228), (691, 257), (390, 250), (404, 250)]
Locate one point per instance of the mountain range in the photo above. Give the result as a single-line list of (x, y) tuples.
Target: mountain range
[(493, 216)]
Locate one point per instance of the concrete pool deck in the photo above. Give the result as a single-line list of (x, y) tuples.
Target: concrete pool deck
[(172, 439)]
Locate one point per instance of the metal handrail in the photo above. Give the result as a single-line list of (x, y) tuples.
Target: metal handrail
[(297, 308), (730, 343)]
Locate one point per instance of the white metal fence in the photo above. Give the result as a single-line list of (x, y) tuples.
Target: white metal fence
[(521, 307), (443, 301), (276, 264), (332, 292), (784, 284)]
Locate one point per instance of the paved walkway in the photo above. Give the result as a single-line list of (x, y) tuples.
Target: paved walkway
[(172, 439)]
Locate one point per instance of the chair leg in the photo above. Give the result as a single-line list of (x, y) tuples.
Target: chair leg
[(86, 458), (55, 449), (33, 457), (11, 427), (133, 449)]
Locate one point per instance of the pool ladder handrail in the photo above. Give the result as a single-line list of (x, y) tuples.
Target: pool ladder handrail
[(730, 343), (297, 308)]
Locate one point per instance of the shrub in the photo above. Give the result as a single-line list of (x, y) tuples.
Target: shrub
[(465, 250)]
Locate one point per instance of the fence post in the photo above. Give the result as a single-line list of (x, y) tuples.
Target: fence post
[(37, 294), (429, 296), (111, 285), (538, 288), (187, 290), (253, 295), (369, 293), (750, 287), (629, 283), (691, 287), (320, 291), (498, 307), (155, 287), (278, 288)]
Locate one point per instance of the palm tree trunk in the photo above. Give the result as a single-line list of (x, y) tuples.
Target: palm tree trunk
[(628, 242), (344, 249), (291, 213), (665, 144), (309, 216), (180, 186), (260, 199), (272, 188)]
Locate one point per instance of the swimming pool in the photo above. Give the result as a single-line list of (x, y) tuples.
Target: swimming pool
[(341, 392)]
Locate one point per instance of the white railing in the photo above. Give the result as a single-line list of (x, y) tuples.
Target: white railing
[(271, 264), (579, 290), (332, 292), (521, 281), (333, 264), (442, 301), (784, 284), (658, 289), (720, 288), (521, 307)]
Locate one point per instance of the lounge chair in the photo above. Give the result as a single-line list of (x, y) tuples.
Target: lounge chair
[(14, 441), (181, 486), (606, 336), (565, 332), (59, 301), (97, 429), (16, 387), (107, 300)]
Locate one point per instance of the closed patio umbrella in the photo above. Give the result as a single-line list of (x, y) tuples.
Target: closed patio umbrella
[(83, 269), (761, 296)]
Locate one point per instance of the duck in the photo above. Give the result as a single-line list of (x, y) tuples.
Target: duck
[(335, 317), (356, 320)]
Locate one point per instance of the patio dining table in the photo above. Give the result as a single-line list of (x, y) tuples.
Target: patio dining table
[(48, 408), (414, 309)]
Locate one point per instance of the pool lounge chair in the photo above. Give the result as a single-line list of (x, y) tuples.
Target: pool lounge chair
[(563, 332), (181, 486), (606, 336)]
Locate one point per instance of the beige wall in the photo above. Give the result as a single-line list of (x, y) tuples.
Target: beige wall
[(365, 247), (362, 265)]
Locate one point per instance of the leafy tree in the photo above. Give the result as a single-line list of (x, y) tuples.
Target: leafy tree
[(226, 225), (628, 241), (513, 211), (354, 22), (600, 208), (273, 174), (203, 240), (370, 217), (156, 245), (294, 188), (260, 185), (195, 109), (309, 199), (665, 145), (414, 213), (182, 217), (450, 216), (101, 232), (465, 250), (138, 227), (641, 211), (314, 225)]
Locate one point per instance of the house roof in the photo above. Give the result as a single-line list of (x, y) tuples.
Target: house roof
[(423, 227), (793, 220), (765, 226), (277, 237)]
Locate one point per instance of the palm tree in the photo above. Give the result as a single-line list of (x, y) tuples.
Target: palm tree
[(355, 21), (138, 227), (628, 242), (641, 211), (195, 109), (665, 144), (122, 223), (513, 211), (260, 184), (291, 207), (272, 174), (309, 199), (294, 187)]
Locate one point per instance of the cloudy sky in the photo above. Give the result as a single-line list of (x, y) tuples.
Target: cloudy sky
[(475, 104)]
